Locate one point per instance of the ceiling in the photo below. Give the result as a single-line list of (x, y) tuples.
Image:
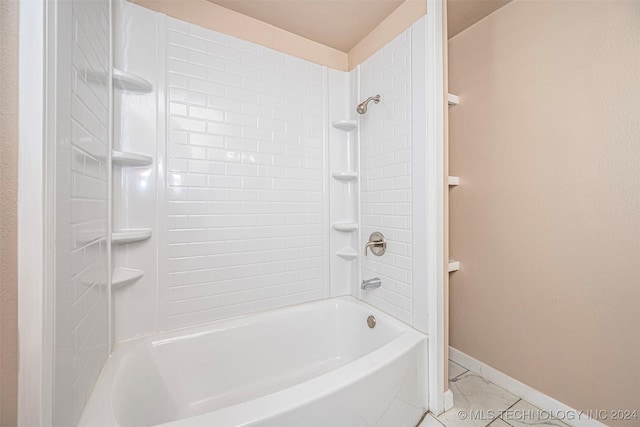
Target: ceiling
[(341, 24), (461, 14)]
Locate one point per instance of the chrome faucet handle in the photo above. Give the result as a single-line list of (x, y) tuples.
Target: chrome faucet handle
[(377, 244), (372, 283), (368, 245)]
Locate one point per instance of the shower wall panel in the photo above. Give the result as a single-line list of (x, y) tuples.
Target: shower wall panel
[(81, 208), (246, 177), (385, 162)]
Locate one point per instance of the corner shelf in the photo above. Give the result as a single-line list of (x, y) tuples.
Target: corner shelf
[(122, 277), (347, 253), (129, 82), (453, 181), (345, 125), (121, 158), (453, 99), (131, 235), (454, 266), (345, 176), (122, 80), (345, 226)]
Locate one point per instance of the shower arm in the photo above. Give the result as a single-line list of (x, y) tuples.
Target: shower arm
[(362, 107)]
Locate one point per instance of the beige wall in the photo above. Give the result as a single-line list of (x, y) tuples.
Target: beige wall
[(210, 15), (397, 21), (546, 221), (8, 211)]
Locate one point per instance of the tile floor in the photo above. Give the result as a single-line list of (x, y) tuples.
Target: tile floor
[(479, 403)]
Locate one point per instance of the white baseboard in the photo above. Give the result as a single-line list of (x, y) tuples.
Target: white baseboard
[(523, 391), (448, 400)]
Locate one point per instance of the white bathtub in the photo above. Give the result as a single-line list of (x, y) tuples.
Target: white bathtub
[(315, 364)]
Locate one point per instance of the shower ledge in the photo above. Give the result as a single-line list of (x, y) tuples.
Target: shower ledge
[(122, 277), (345, 125), (347, 253), (345, 176), (129, 82), (345, 226), (121, 158), (122, 80), (130, 235)]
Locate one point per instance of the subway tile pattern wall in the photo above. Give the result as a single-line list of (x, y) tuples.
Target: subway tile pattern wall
[(245, 177), (81, 329), (385, 156)]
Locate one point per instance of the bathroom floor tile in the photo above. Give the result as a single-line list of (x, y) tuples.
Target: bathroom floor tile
[(499, 423), (455, 370), (471, 392), (476, 400), (524, 414), (430, 421)]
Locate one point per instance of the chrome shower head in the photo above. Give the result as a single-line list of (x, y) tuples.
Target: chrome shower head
[(362, 107)]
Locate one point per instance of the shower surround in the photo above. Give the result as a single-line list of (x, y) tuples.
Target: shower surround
[(245, 184), (241, 180)]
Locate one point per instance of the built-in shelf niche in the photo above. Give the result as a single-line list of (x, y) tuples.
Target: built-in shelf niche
[(122, 277), (453, 181), (453, 99), (347, 253), (345, 176), (345, 125), (121, 237), (122, 158), (345, 226), (454, 266)]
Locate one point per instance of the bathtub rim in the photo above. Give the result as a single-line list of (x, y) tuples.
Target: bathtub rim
[(229, 322)]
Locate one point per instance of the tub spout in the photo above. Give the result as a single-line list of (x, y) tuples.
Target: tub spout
[(371, 283)]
